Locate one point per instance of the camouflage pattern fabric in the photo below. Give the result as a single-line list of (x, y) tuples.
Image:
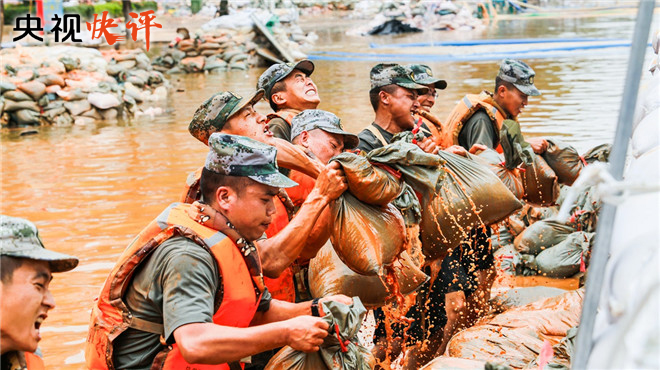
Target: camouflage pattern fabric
[(212, 115), (20, 238), (393, 74), (520, 75), (422, 74), (312, 119), (234, 155)]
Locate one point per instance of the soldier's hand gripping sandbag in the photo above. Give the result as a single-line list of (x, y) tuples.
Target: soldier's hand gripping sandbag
[(542, 235), (366, 237), (495, 162), (340, 350), (516, 150), (564, 259), (328, 275), (540, 183), (564, 160), (369, 183), (457, 194)]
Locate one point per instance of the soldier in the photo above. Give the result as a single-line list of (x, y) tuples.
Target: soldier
[(289, 90), (26, 268), (393, 96), (478, 118), (194, 294)]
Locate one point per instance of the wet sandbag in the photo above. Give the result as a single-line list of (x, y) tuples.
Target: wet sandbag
[(52, 79), (23, 117), (369, 183), (531, 214), (469, 196), (517, 297), (564, 160), (508, 260), (516, 336), (540, 183), (328, 275), (564, 259), (366, 237), (12, 106), (510, 177), (33, 88), (77, 107), (446, 362), (345, 322), (17, 95), (103, 101), (193, 64), (600, 153), (542, 235)]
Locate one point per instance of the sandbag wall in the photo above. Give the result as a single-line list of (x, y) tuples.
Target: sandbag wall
[(64, 85)]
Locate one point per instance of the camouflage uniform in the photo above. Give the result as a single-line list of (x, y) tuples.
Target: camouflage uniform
[(312, 119), (212, 115), (278, 123)]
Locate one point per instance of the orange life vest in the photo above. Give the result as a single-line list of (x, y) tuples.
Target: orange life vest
[(33, 361), (110, 315), (191, 191), (283, 287), (298, 194), (462, 112)]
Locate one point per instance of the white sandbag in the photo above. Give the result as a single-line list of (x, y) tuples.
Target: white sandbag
[(103, 101), (647, 133)]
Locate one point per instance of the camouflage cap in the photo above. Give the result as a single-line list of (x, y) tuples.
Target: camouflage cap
[(312, 119), (212, 115), (278, 72), (520, 75), (234, 155), (393, 74), (424, 75), (19, 238)]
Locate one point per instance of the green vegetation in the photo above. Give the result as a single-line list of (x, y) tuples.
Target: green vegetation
[(85, 11)]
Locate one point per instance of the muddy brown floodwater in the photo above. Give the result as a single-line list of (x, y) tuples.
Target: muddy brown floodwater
[(90, 189)]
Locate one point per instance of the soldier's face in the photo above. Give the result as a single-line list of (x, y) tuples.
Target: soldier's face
[(323, 144), (402, 103), (25, 302), (427, 101), (251, 208), (513, 100), (300, 92), (250, 123)]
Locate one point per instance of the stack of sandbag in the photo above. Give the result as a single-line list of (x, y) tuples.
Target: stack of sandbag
[(564, 160), (63, 85), (515, 338), (214, 52), (457, 194)]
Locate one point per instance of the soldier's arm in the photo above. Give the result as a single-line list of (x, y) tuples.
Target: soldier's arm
[(478, 129)]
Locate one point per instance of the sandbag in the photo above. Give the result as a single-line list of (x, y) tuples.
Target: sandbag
[(515, 224), (33, 88), (564, 259), (12, 106), (542, 235), (457, 194), (531, 214), (516, 336), (103, 101), (345, 322), (17, 95), (52, 79), (501, 237), (445, 362), (193, 64), (540, 183), (25, 117), (366, 237), (510, 177), (368, 183), (328, 275), (600, 153), (517, 297), (564, 160), (507, 260)]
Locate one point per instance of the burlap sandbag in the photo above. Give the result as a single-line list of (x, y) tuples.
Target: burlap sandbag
[(340, 350), (328, 275), (540, 183), (516, 336), (564, 160), (510, 178), (599, 153), (370, 184), (366, 237), (542, 235), (457, 194), (564, 259)]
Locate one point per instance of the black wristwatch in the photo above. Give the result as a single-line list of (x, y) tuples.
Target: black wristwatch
[(315, 307)]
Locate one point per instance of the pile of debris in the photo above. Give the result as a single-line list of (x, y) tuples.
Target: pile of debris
[(236, 41), (423, 15), (64, 85)]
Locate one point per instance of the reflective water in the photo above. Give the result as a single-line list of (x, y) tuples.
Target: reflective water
[(91, 189)]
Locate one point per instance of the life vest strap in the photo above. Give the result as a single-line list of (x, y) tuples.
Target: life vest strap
[(148, 326)]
